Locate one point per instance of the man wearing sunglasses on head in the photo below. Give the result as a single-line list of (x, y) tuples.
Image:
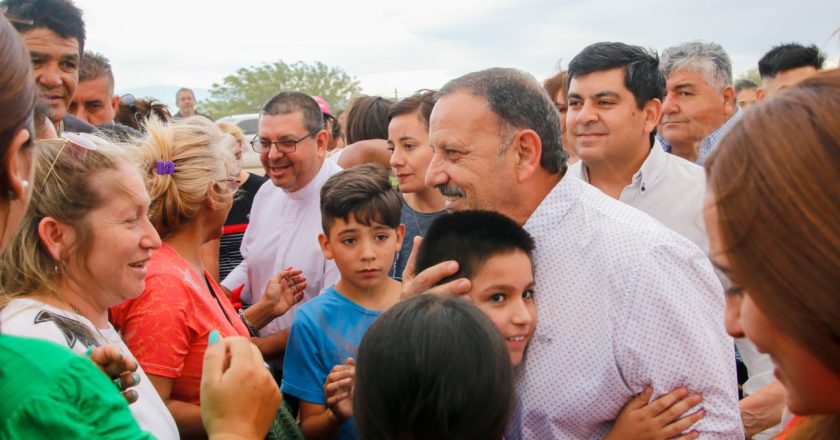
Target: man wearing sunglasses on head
[(285, 217), (54, 33)]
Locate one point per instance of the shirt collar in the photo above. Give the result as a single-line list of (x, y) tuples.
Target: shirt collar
[(709, 142), (648, 173)]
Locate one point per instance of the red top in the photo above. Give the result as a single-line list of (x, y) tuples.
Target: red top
[(166, 328), (794, 423)]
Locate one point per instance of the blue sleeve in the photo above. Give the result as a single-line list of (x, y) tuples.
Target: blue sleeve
[(304, 371)]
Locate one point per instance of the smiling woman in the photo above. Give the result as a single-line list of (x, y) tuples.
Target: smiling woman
[(773, 217), (82, 247)]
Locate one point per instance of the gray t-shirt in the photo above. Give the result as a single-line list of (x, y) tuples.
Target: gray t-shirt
[(416, 223)]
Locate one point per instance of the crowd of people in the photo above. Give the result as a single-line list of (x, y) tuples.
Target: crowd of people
[(637, 248)]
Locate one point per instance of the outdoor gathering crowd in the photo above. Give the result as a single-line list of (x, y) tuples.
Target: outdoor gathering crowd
[(636, 248)]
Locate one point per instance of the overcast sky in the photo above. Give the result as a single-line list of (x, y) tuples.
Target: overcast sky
[(405, 46)]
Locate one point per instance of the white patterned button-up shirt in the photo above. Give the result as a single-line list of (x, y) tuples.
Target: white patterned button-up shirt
[(623, 302)]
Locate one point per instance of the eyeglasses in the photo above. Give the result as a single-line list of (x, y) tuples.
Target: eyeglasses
[(284, 146), (231, 182), (80, 143)]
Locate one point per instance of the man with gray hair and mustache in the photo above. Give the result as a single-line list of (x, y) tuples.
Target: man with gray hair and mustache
[(699, 103), (624, 302)]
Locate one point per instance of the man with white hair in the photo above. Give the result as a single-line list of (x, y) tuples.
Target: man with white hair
[(699, 103)]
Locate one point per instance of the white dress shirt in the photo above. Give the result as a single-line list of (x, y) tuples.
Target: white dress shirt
[(623, 303), (283, 231), (669, 189)]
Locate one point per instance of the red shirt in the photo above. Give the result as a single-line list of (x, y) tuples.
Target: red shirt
[(166, 328)]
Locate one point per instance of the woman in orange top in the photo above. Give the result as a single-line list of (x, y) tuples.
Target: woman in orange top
[(773, 217), (192, 180)]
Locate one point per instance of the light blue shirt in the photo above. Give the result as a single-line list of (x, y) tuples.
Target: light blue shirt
[(325, 332)]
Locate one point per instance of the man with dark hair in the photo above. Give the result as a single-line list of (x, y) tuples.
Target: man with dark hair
[(54, 33), (95, 101), (615, 102), (699, 103), (745, 93), (786, 65), (615, 299), (285, 218), (185, 101)]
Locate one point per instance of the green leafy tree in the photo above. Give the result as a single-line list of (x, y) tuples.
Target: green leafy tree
[(751, 74), (250, 87)]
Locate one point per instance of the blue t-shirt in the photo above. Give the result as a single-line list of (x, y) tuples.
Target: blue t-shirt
[(325, 332)]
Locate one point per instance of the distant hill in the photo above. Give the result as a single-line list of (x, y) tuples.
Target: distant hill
[(166, 94)]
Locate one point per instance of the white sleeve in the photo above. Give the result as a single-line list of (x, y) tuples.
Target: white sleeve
[(682, 339)]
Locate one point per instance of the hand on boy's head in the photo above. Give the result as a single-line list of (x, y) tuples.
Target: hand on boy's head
[(338, 389), (425, 281)]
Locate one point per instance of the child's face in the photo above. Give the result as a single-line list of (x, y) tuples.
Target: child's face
[(363, 254), (504, 289)]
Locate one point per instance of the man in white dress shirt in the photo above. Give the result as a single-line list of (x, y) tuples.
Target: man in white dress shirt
[(623, 301), (615, 102), (285, 217)]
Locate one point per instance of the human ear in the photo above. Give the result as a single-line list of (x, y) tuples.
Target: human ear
[(528, 151), (653, 113), (115, 102), (400, 235), (760, 94), (19, 166), (324, 241), (729, 97), (55, 236)]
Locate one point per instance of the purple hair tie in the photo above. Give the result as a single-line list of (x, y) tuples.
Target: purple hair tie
[(164, 167)]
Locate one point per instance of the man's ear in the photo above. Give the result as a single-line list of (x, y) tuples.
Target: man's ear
[(528, 153), (653, 113), (326, 248), (321, 140), (760, 94), (115, 103), (56, 237), (729, 98)]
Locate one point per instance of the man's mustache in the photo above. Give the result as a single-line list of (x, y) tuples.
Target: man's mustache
[(451, 191)]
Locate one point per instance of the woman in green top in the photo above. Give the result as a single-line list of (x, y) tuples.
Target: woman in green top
[(46, 390)]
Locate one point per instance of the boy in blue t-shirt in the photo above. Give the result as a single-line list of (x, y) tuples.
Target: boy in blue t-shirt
[(360, 214)]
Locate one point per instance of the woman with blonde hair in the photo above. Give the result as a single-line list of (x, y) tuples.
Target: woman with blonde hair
[(82, 248), (192, 179), (773, 217), (222, 255)]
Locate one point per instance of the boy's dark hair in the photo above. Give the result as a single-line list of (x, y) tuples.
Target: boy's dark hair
[(59, 16), (471, 238), (365, 192), (641, 68), (421, 102), (433, 368), (789, 56), (745, 84), (289, 102)]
